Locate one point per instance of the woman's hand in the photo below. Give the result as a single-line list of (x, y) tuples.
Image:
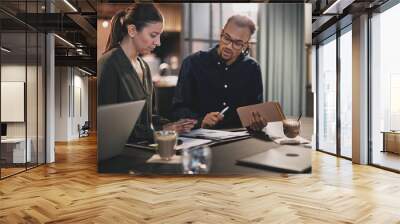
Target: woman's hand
[(181, 126)]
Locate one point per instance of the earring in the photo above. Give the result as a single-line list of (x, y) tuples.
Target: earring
[(244, 51)]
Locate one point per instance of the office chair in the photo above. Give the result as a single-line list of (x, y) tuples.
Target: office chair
[(84, 130)]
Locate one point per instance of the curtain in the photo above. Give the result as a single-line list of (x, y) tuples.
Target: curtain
[(282, 55)]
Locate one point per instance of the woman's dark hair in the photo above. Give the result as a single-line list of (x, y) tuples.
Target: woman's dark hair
[(140, 15)]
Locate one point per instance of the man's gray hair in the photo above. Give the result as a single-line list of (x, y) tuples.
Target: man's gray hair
[(242, 21)]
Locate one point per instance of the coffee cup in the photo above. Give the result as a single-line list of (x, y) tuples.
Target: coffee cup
[(291, 128), (166, 143)]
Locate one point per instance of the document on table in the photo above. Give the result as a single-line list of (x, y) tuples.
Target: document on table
[(215, 134), (186, 144), (191, 142)]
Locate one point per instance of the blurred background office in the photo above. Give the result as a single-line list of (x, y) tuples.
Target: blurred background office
[(279, 45), (48, 84)]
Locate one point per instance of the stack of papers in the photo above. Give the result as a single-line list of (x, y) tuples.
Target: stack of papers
[(197, 137), (186, 144), (215, 135), (191, 142)]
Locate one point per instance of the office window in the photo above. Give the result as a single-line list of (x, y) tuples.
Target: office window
[(201, 21), (385, 88), (22, 90), (207, 20), (13, 88), (327, 96), (346, 93), (217, 21)]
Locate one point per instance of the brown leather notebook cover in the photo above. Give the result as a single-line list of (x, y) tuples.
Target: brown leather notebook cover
[(270, 111)]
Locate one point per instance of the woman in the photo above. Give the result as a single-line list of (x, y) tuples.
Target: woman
[(123, 75)]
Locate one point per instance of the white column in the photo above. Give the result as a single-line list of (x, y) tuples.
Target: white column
[(50, 92), (50, 100), (360, 90)]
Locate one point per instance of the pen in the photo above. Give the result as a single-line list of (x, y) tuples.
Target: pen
[(224, 110)]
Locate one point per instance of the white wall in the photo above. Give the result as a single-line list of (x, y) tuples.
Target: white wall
[(71, 87), (16, 73), (33, 127), (12, 73), (80, 118), (61, 103)]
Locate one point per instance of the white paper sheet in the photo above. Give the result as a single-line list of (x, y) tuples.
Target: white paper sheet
[(214, 134), (191, 142)]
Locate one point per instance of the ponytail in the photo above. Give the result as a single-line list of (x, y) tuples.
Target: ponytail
[(139, 14), (118, 31)]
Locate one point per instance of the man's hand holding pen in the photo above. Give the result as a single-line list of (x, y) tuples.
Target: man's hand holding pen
[(212, 118)]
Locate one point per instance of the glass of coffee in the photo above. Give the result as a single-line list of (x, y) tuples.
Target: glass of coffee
[(291, 128), (166, 143)]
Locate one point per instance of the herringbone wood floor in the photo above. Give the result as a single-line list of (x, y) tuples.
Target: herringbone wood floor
[(71, 191)]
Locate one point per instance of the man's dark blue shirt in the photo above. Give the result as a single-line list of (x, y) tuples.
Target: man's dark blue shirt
[(207, 84)]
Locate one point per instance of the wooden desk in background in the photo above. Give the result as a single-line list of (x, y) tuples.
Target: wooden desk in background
[(13, 150), (391, 141)]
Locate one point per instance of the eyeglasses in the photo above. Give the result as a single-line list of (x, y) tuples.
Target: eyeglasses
[(236, 44)]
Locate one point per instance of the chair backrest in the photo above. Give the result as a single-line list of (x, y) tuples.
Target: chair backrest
[(86, 125)]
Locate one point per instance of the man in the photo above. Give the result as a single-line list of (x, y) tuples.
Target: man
[(224, 76)]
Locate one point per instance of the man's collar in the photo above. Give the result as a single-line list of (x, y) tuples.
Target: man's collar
[(216, 58), (215, 55)]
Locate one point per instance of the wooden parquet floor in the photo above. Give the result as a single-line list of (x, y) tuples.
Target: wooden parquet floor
[(71, 191)]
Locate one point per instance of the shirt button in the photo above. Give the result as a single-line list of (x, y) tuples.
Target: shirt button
[(219, 63), (226, 68), (225, 86), (224, 103)]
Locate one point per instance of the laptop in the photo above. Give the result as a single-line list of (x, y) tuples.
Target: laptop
[(293, 159), (115, 124)]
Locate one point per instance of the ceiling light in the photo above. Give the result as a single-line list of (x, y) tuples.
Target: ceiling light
[(5, 50), (65, 41), (70, 5), (105, 24)]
